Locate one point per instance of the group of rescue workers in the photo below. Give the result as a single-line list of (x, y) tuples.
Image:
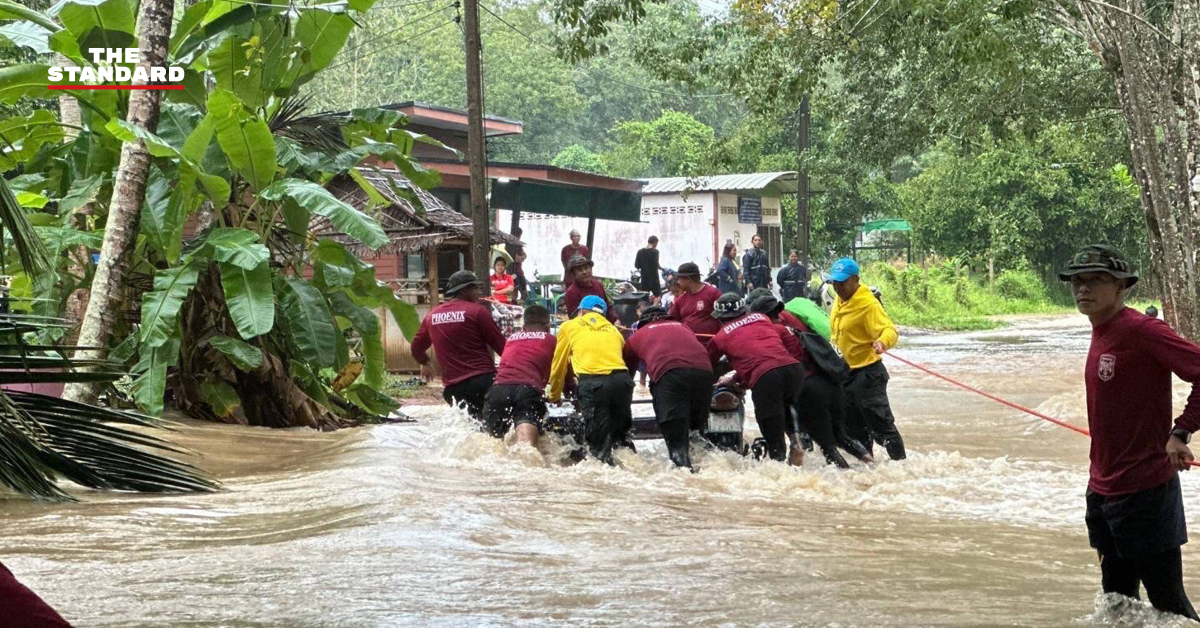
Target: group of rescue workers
[(812, 379)]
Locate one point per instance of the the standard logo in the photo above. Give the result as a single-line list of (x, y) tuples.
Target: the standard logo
[(1108, 367), (115, 65)]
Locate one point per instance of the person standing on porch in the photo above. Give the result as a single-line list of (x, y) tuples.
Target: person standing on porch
[(756, 265), (647, 263), (571, 250), (793, 278), (727, 271)]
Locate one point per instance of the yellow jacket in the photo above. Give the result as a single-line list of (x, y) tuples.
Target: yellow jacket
[(855, 324), (592, 345)]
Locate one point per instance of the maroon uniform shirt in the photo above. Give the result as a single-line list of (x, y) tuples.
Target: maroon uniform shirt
[(574, 296), (790, 341), (569, 251), (695, 311), (1128, 377), (665, 345), (526, 359), (753, 345), (23, 607), (461, 332)]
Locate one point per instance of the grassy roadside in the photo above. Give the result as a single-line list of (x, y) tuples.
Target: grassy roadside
[(946, 298)]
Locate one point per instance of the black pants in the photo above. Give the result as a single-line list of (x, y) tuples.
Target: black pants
[(682, 398), (823, 417), (1137, 537), (507, 405), (606, 404), (868, 412), (775, 395), (471, 393)]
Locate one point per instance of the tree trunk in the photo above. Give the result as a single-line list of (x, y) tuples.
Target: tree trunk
[(269, 395), (129, 191), (1156, 71)]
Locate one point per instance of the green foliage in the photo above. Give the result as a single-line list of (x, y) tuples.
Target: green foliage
[(939, 298), (245, 152), (1023, 202), (577, 157), (1019, 285), (675, 144)]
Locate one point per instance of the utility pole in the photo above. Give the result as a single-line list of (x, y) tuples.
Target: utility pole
[(802, 241), (476, 146)]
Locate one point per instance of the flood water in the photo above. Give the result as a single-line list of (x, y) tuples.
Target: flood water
[(435, 525)]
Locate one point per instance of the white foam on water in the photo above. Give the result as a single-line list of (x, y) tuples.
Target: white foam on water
[(1112, 609), (942, 484)]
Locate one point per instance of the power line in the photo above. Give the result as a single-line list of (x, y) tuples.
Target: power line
[(403, 26), (586, 69), (394, 44)]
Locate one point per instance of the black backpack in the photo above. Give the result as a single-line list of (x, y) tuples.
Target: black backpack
[(824, 356)]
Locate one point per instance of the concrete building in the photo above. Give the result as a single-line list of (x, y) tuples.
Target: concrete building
[(693, 219)]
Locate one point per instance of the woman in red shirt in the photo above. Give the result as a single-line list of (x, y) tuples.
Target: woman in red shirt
[(502, 282)]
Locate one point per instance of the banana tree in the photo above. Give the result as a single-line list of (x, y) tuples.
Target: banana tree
[(252, 319)]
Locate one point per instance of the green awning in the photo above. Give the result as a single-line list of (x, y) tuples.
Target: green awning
[(889, 224), (567, 200)]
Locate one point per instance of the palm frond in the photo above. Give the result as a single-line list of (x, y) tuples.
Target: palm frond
[(30, 249), (43, 438), (322, 131)]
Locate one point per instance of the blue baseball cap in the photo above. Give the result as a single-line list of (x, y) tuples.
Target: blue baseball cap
[(843, 269), (592, 302)]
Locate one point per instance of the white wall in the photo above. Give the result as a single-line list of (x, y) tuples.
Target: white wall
[(684, 228)]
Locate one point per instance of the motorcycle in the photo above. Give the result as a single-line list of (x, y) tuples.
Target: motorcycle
[(724, 429)]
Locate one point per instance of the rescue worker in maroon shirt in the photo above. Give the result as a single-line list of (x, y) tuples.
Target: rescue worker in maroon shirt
[(815, 418), (1134, 502), (694, 306), (763, 365), (22, 608), (681, 378), (516, 398), (582, 285), (464, 335)]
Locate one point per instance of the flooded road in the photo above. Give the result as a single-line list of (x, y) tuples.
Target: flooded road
[(437, 525)]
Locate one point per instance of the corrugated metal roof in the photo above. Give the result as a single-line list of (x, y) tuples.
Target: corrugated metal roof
[(785, 182)]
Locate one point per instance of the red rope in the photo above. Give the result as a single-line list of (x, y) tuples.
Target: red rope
[(1010, 404)]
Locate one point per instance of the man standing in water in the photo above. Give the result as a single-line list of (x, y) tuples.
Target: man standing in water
[(862, 332), (464, 335), (693, 306), (593, 347), (521, 380), (681, 378), (1134, 503)]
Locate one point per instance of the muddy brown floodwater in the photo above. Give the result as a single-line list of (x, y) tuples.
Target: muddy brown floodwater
[(436, 525)]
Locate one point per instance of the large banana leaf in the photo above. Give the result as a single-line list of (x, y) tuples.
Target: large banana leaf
[(309, 322), (318, 200), (160, 307), (249, 297), (245, 139)]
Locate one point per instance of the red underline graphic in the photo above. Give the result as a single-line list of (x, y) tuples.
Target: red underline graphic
[(114, 86)]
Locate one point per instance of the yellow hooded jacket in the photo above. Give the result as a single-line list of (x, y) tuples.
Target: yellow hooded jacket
[(593, 346), (855, 324)]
